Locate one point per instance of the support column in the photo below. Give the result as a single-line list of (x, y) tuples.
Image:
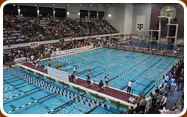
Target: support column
[(176, 34), (38, 12), (97, 10), (168, 29), (159, 30), (53, 12), (19, 15), (167, 37), (128, 19), (66, 10), (88, 11)]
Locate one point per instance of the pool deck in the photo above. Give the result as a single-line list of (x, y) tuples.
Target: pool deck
[(112, 92), (156, 52)]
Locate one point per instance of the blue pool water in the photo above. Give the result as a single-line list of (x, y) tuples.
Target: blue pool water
[(122, 66), (18, 95)]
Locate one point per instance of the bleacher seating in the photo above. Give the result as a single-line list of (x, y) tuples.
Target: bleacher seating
[(23, 30)]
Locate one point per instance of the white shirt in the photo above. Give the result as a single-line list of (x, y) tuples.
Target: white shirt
[(173, 84), (107, 78), (32, 57), (130, 84), (167, 78), (172, 80), (74, 69), (164, 100), (165, 85)]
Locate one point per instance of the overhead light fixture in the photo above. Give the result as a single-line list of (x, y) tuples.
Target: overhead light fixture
[(67, 13), (109, 15), (79, 13)]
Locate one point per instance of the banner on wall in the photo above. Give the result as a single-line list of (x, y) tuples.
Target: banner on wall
[(140, 23), (34, 44), (98, 37)]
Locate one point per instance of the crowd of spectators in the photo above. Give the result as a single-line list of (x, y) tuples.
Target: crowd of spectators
[(157, 101), (42, 51), (22, 30)]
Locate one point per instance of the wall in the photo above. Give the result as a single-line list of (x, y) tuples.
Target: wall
[(141, 15), (128, 19), (117, 18), (125, 17), (179, 16)]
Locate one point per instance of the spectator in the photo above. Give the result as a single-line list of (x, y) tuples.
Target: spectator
[(173, 86), (138, 108), (163, 101), (158, 100), (143, 104)]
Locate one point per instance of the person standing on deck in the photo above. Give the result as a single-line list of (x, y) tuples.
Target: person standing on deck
[(143, 104), (75, 69), (57, 65), (49, 63), (88, 82), (89, 73), (101, 86), (129, 86), (106, 80)]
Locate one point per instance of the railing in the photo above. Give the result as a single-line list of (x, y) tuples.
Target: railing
[(56, 41)]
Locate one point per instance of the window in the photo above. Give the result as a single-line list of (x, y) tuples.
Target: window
[(60, 13), (101, 14), (10, 9), (84, 14), (93, 14), (46, 11), (28, 11)]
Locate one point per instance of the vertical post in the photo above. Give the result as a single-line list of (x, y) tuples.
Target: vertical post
[(18, 11), (176, 33), (88, 11), (105, 13), (66, 10), (38, 12), (167, 37), (168, 29), (159, 30), (53, 11), (97, 10), (151, 36)]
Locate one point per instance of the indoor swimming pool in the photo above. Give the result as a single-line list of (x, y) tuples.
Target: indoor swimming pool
[(145, 70), (27, 93)]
